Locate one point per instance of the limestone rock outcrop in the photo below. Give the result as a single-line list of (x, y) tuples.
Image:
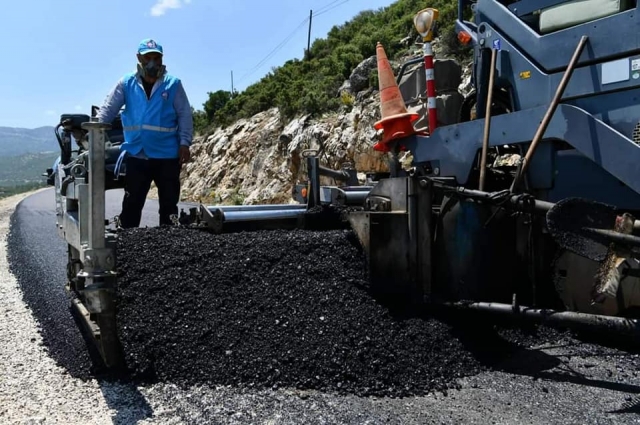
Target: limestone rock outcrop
[(259, 159)]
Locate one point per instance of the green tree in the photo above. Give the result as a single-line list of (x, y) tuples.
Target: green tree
[(311, 85), (216, 101), (200, 120)]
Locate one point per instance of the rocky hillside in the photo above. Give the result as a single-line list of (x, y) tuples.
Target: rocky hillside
[(258, 160)]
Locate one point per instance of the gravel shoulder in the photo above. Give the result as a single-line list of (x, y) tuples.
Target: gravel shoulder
[(564, 381), (33, 389)]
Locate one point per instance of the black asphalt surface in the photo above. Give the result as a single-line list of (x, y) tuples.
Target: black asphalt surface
[(38, 258), (273, 309), (504, 378)]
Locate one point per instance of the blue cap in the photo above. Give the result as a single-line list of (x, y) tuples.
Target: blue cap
[(149, 45)]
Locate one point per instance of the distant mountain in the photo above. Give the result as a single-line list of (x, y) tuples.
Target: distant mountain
[(25, 169), (20, 141)]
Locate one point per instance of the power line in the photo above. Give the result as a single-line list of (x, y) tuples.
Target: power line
[(330, 8), (275, 49), (326, 5), (324, 9)]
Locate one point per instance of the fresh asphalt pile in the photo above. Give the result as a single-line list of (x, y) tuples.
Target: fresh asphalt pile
[(274, 309)]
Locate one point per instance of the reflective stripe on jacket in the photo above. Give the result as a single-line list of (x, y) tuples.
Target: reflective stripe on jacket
[(150, 124)]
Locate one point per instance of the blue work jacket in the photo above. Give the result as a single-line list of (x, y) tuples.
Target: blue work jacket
[(150, 124)]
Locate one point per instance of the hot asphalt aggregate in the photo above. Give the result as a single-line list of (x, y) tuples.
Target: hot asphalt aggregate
[(245, 327)]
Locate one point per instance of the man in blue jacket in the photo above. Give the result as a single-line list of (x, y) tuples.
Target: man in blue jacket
[(158, 131)]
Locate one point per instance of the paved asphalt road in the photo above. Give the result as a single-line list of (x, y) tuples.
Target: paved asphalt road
[(36, 246), (572, 382)]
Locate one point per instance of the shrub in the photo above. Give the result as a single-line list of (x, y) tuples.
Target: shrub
[(311, 85)]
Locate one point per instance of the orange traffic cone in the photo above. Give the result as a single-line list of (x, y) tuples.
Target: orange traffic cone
[(396, 121)]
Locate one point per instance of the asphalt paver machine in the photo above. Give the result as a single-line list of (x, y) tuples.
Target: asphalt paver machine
[(549, 235)]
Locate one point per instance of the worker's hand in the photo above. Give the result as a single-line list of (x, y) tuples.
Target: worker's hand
[(185, 155)]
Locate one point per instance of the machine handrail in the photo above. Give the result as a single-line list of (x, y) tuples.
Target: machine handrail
[(519, 36), (525, 7), (405, 65)]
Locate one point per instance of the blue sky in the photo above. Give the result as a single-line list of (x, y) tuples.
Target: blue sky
[(62, 56)]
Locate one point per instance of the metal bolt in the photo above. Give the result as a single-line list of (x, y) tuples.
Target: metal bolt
[(436, 171)]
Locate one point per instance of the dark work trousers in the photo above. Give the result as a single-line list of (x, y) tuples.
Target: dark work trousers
[(165, 173)]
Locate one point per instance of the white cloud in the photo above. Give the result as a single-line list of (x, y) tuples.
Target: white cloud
[(161, 6)]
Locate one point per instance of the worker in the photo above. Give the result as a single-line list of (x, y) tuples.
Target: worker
[(158, 130)]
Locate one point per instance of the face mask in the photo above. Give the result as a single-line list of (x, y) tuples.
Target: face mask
[(151, 69)]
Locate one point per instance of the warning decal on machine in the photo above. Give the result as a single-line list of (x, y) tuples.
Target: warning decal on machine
[(615, 71)]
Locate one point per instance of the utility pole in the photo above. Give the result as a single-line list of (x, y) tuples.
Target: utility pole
[(309, 35)]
